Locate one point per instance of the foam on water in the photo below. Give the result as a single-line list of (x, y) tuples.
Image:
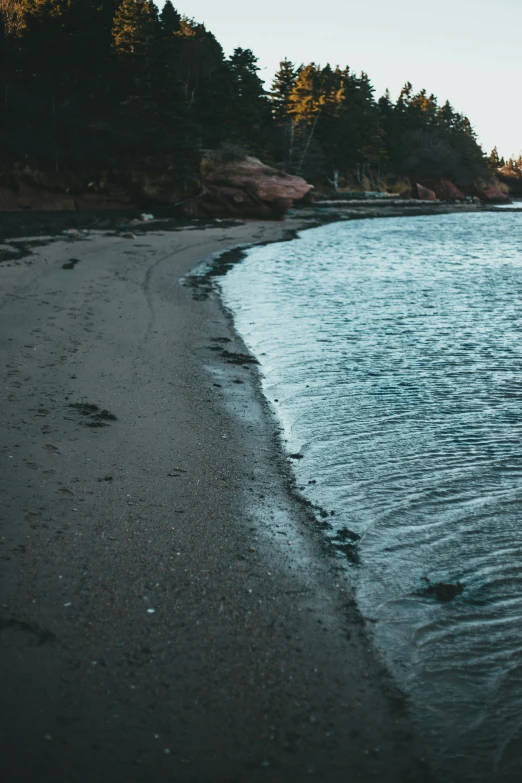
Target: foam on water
[(394, 350)]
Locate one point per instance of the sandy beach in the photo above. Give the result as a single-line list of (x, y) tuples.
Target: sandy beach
[(167, 610)]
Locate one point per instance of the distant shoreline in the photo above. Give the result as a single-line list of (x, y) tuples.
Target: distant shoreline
[(54, 223)]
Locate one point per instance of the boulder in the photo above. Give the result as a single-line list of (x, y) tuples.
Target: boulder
[(492, 195), (246, 189), (425, 194), (448, 191)]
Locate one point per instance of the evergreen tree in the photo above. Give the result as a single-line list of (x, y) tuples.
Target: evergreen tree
[(494, 159), (422, 110), (170, 20), (366, 130), (153, 120), (134, 28), (446, 118), (306, 98), (206, 80), (282, 86), (330, 125), (135, 33), (200, 56), (250, 109), (305, 104)]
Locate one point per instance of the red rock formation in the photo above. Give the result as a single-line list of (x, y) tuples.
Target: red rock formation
[(448, 191), (492, 195), (249, 189), (425, 194)]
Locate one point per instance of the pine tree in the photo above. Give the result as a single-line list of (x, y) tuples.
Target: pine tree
[(422, 110), (153, 119), (494, 159), (446, 118), (329, 131), (372, 151), (282, 86), (250, 116), (305, 104), (284, 124), (170, 20), (200, 57), (134, 29), (206, 81), (387, 116), (405, 96), (306, 98)]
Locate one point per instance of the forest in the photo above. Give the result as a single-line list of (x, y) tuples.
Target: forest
[(97, 91)]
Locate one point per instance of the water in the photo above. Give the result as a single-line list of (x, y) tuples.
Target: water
[(394, 350), (517, 204)]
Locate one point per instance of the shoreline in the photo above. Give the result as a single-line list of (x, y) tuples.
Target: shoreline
[(30, 224), (151, 628)]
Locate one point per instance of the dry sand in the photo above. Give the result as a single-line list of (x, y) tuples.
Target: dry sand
[(167, 611)]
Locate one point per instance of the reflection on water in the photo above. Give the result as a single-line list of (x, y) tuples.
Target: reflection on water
[(394, 349)]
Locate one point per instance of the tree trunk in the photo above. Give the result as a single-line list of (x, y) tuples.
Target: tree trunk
[(335, 181), (291, 144), (307, 145), (55, 140)]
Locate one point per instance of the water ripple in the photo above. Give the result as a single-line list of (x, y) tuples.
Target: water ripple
[(394, 350)]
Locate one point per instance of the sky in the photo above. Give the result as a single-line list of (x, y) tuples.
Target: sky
[(462, 50)]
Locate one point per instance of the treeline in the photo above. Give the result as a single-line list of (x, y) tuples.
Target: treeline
[(508, 172), (110, 87), (511, 165), (97, 84), (328, 121)]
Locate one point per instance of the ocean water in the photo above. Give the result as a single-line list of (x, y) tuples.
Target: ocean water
[(392, 352)]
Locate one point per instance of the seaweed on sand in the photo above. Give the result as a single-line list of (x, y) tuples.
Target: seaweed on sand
[(96, 417), (346, 542)]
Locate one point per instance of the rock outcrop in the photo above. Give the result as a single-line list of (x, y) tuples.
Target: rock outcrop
[(425, 194), (246, 189), (492, 195), (446, 190)]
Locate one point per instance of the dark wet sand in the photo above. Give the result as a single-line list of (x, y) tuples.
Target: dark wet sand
[(254, 665)]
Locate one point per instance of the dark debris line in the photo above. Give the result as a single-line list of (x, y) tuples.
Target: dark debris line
[(95, 416)]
